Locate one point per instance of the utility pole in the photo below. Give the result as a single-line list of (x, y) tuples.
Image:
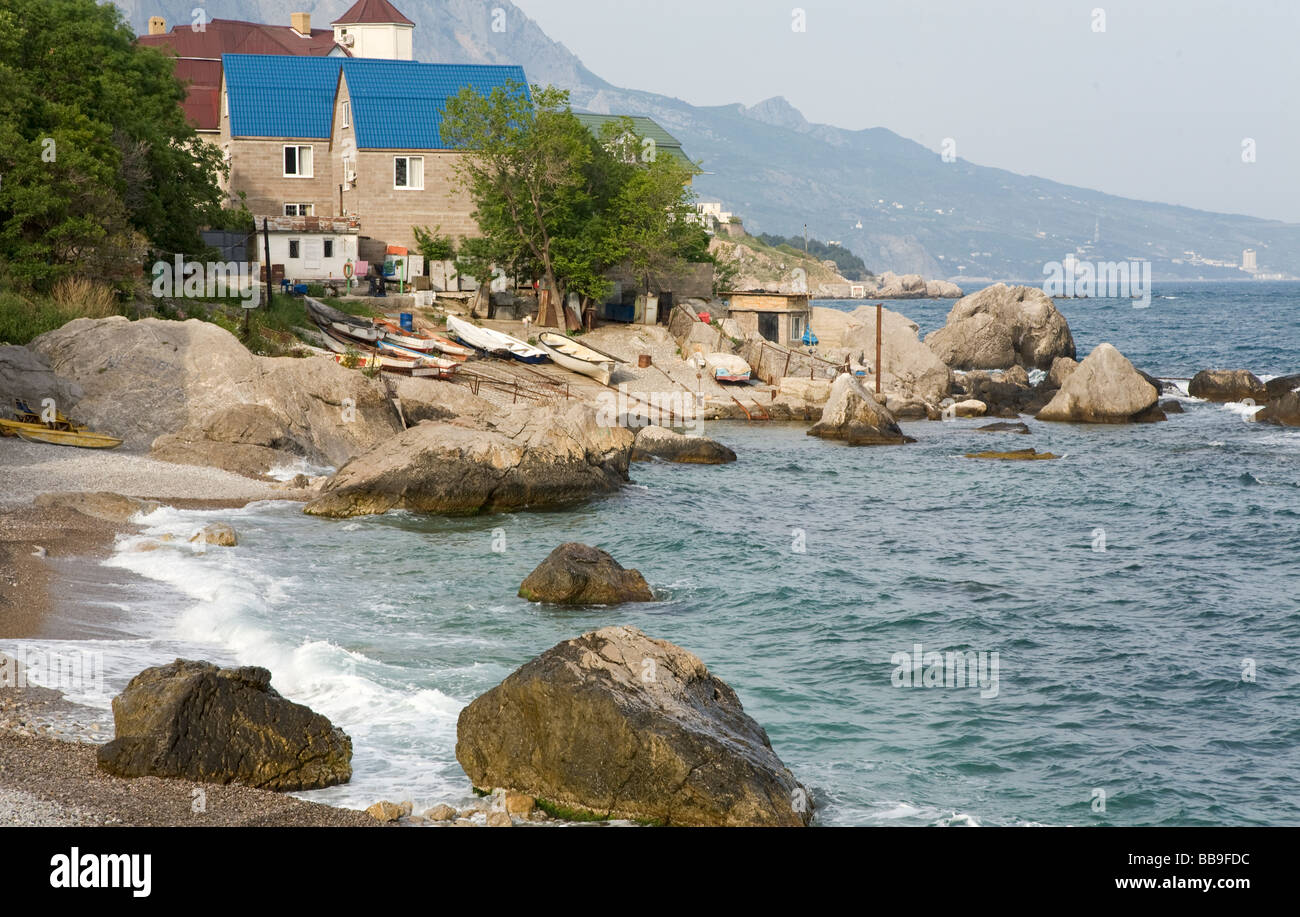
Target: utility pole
[(805, 238), (879, 313)]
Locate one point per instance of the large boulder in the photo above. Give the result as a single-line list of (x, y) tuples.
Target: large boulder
[(110, 507), (1225, 385), (1284, 411), (655, 442), (852, 414), (622, 725), (910, 368), (1281, 385), (578, 574), (1104, 388), (1000, 326), (27, 375), (532, 457), (146, 379), (942, 289), (799, 398), (248, 439), (199, 722)]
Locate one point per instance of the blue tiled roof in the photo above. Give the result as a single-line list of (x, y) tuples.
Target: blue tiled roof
[(396, 105)]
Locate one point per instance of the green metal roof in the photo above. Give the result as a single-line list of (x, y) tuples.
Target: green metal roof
[(644, 128)]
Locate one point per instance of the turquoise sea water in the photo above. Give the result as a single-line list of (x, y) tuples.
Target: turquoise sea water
[(799, 572)]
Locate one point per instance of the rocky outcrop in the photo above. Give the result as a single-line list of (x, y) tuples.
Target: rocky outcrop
[(199, 722), (654, 442), (532, 457), (1004, 427), (101, 505), (1284, 411), (577, 574), (1000, 326), (942, 289), (1105, 388), (1060, 371), (1281, 385), (195, 384), (1006, 393), (27, 375), (622, 725), (853, 415), (1224, 385), (1015, 455), (910, 368), (800, 398)]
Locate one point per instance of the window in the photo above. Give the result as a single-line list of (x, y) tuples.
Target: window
[(329, 248), (297, 162), (408, 172), (796, 327), (347, 113), (299, 210), (294, 249)]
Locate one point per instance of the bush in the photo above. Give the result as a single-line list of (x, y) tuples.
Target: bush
[(84, 298)]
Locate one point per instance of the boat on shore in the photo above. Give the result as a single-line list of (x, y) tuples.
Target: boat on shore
[(422, 341), (353, 327), (494, 342), (727, 367), (82, 439), (385, 357), (576, 356)]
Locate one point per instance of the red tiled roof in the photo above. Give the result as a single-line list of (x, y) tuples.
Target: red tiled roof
[(372, 11), (200, 57)]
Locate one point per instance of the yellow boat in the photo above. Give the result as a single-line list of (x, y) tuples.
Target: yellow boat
[(84, 439)]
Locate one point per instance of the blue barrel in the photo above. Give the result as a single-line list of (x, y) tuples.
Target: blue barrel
[(408, 322)]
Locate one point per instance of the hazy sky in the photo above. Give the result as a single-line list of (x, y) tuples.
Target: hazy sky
[(1154, 107)]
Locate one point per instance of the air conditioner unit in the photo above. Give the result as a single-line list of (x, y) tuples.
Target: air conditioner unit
[(351, 176), (348, 40)]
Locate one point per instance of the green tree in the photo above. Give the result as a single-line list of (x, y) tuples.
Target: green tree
[(96, 158)]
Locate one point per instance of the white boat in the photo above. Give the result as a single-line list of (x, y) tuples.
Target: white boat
[(423, 357), (576, 356), (494, 342), (727, 367)]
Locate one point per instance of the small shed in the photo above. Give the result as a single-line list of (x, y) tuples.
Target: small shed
[(780, 318), (310, 248)]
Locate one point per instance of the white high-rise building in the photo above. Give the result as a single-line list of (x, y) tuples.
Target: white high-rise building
[(1248, 260)]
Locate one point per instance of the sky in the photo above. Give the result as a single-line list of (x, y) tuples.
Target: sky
[(1192, 102)]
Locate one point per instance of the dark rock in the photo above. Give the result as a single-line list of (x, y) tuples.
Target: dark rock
[(1284, 411), (621, 725), (1225, 385), (1282, 385), (1003, 428), (1014, 455), (1170, 406), (577, 574), (200, 722), (654, 442)]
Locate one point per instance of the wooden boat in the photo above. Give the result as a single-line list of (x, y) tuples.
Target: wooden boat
[(83, 439), (424, 357), (727, 367), (350, 326), (422, 341), (494, 342), (363, 357), (576, 356)]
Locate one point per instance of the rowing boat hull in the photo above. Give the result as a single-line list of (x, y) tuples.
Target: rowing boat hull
[(592, 366), (83, 440), (494, 342)]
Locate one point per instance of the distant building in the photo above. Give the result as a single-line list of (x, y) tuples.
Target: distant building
[(1248, 262), (655, 140), (375, 28)]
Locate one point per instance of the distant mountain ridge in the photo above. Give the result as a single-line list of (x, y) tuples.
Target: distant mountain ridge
[(778, 171)]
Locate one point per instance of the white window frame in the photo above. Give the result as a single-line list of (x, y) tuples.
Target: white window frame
[(311, 156), (408, 186), (347, 113), (299, 209)]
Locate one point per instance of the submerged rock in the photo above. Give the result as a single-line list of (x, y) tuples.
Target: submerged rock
[(1015, 455), (534, 457), (1105, 388), (618, 724), (216, 533), (654, 442), (216, 725), (1224, 385), (577, 574), (853, 415), (1000, 326), (1003, 427), (110, 507)]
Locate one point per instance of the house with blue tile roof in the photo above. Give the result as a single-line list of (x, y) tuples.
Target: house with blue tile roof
[(351, 138)]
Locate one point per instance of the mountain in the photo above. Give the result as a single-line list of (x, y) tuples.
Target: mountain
[(778, 171)]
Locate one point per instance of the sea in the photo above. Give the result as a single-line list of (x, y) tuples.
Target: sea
[(1127, 617)]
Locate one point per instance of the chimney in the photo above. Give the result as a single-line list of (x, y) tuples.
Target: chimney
[(301, 23), (157, 25)]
